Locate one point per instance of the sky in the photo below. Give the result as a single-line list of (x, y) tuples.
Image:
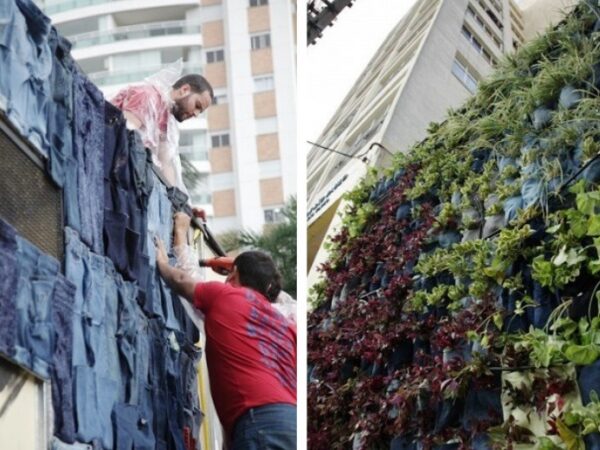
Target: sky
[(340, 55)]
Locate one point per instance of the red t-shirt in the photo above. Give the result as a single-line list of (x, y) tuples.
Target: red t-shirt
[(250, 350)]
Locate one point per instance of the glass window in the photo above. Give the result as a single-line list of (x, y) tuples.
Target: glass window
[(264, 83), (219, 140), (258, 2), (215, 56), (260, 41), (220, 99), (462, 73), (273, 215)]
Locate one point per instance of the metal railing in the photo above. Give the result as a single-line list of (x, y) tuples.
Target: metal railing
[(142, 31), (193, 154), (61, 6), (110, 77)]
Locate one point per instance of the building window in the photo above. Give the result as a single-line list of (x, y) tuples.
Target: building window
[(219, 99), (265, 83), (219, 140), (259, 2), (215, 56), (273, 215), (471, 13), (260, 41), (465, 76), (478, 46)]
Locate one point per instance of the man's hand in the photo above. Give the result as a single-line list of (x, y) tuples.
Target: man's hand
[(200, 213)]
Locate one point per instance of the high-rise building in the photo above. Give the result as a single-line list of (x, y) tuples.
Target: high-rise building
[(249, 49), (432, 60), (241, 152)]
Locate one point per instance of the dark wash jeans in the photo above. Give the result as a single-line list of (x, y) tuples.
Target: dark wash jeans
[(88, 146), (9, 269), (270, 427)]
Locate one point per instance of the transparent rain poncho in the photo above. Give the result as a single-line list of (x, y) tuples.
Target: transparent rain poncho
[(151, 104)]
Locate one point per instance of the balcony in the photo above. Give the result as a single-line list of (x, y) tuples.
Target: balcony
[(143, 31), (133, 75), (98, 7)]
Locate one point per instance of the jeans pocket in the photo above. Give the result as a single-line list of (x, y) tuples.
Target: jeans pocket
[(277, 440)]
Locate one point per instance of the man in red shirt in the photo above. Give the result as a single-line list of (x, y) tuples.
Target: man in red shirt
[(250, 349)]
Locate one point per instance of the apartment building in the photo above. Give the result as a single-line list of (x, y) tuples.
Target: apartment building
[(241, 152), (249, 49), (431, 61)]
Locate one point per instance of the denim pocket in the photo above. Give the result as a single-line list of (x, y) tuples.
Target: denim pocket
[(276, 440)]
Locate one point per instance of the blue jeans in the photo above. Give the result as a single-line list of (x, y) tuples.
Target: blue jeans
[(270, 427), (57, 444), (60, 110), (9, 268), (34, 339), (88, 147), (62, 380)]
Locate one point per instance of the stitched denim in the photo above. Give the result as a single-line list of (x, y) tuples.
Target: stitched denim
[(87, 271), (88, 145), (57, 444), (266, 427), (141, 163), (86, 404), (62, 382), (37, 275), (28, 56), (9, 268), (132, 429)]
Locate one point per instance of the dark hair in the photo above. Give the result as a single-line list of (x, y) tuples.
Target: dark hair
[(258, 271), (198, 83)]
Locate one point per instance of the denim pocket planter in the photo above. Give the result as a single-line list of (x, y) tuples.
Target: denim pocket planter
[(589, 380), (569, 97), (592, 172), (448, 414), (511, 207), (403, 212), (541, 117)]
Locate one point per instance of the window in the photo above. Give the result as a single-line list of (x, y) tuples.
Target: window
[(219, 140), (478, 46), (215, 56), (220, 99), (273, 215), (259, 2), (265, 83), (465, 76), (260, 41), (471, 13)]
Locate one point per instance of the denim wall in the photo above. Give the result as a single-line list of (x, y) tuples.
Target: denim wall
[(101, 325)]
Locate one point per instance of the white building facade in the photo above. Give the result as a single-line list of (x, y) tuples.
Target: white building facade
[(431, 61)]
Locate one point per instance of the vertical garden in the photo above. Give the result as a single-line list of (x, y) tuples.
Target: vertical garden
[(459, 307)]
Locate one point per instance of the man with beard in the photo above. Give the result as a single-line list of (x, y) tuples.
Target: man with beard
[(154, 111)]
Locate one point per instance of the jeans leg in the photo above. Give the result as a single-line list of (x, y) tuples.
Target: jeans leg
[(42, 336), (57, 444), (9, 268), (62, 382), (27, 259), (86, 404)]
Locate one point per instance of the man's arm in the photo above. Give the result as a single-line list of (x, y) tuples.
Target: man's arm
[(183, 284)]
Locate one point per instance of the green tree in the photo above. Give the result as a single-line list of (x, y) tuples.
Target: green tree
[(280, 242)]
